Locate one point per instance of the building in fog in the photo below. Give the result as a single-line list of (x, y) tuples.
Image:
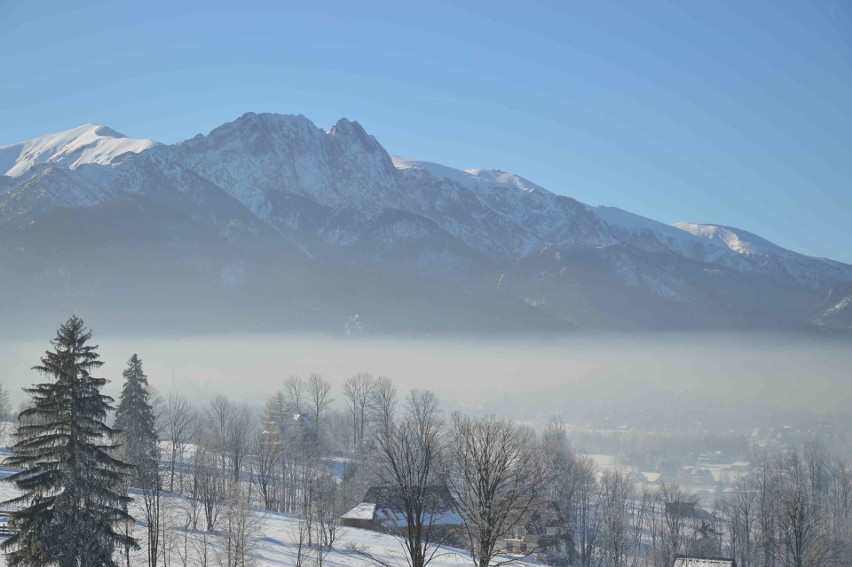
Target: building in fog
[(381, 510)]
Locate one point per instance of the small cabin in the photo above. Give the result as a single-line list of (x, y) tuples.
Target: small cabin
[(381, 510), (702, 561)]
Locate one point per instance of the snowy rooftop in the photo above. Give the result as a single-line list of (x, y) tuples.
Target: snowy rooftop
[(687, 561), (363, 511)]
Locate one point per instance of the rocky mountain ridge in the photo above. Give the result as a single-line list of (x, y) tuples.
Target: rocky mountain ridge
[(271, 196)]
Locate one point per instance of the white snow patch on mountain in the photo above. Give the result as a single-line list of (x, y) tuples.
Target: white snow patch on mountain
[(469, 177), (505, 178), (435, 170), (761, 255), (89, 143), (833, 315), (740, 241)]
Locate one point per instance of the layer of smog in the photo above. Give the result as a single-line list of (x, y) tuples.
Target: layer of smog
[(668, 381)]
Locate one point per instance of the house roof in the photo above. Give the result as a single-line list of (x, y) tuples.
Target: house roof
[(363, 511), (696, 561), (382, 504), (437, 495)]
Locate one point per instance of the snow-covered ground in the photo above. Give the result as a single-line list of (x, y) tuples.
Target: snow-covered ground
[(274, 541)]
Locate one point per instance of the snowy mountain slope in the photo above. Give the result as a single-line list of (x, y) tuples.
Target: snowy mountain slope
[(538, 216), (89, 143), (836, 311), (50, 188), (150, 173), (335, 202), (758, 254), (462, 213), (838, 316), (558, 220)]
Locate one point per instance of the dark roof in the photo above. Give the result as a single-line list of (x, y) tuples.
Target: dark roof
[(388, 497)]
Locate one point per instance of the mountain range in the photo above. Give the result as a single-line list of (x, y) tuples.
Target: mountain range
[(272, 223)]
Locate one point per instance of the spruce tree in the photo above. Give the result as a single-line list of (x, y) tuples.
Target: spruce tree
[(70, 483), (134, 417)]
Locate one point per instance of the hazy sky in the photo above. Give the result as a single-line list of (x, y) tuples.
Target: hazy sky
[(733, 113)]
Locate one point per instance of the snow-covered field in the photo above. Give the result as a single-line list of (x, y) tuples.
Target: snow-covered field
[(274, 542)]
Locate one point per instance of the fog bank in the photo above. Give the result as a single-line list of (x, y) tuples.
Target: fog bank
[(525, 377)]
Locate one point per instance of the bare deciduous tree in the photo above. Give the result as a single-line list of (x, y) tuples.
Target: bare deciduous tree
[(207, 483), (424, 410), (766, 481), (574, 490), (180, 427), (238, 434), (839, 512), (496, 478), (614, 541), (267, 455), (232, 428), (741, 507), (319, 398), (294, 392), (300, 537), (383, 400), (675, 503), (325, 515), (409, 462), (588, 497), (799, 515), (239, 526), (357, 390)]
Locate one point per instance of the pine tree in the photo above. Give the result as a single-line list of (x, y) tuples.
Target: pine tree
[(70, 481), (134, 416)]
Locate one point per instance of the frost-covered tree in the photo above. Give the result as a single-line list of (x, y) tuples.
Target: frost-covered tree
[(409, 463), (71, 501), (573, 489), (237, 545), (180, 424), (616, 494), (383, 401), (496, 478), (357, 391), (319, 399), (5, 406)]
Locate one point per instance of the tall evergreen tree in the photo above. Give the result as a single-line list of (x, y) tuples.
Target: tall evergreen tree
[(71, 499), (134, 416)]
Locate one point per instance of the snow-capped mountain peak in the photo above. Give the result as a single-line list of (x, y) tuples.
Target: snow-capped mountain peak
[(259, 157), (89, 143), (335, 195), (349, 130)]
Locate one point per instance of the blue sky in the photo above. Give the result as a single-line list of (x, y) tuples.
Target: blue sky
[(735, 113)]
